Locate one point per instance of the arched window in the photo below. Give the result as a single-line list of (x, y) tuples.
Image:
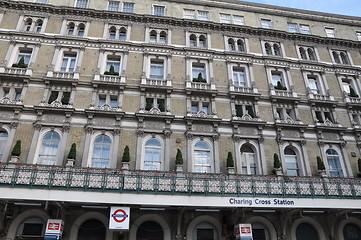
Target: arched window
[(311, 54), (92, 229), (101, 152), (240, 46), (306, 231), (276, 49), (28, 23), (291, 162), (163, 37), (248, 159), (268, 48), (336, 57), (344, 58), (303, 53), (123, 33), (153, 155), (351, 232), (3, 140), (39, 25), (205, 231), (202, 157), (153, 36), (260, 232), (333, 162), (192, 40), (150, 230), (31, 227), (112, 32), (231, 45), (202, 41), (81, 30), (49, 148), (71, 27)]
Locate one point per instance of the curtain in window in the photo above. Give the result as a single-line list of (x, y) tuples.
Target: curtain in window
[(49, 148)]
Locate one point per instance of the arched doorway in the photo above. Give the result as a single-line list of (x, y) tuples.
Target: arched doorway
[(92, 229), (150, 230), (306, 231), (351, 232)]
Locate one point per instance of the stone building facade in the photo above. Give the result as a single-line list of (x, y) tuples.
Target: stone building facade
[(204, 77)]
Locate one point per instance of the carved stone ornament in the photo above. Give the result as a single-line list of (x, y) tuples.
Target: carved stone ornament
[(6, 100), (140, 133), (108, 108), (167, 133), (189, 136)]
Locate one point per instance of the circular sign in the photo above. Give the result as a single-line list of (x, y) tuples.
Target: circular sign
[(119, 216)]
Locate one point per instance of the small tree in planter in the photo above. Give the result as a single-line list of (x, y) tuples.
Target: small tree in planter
[(125, 158), (230, 163), (111, 71), (321, 167), (277, 165), (15, 153), (20, 64), (279, 86), (199, 78), (71, 156), (179, 161)]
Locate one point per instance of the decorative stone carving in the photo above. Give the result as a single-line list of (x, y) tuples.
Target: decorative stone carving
[(331, 136), (202, 128), (248, 131), (154, 125), (167, 133), (5, 115), (140, 133), (189, 136), (290, 134), (103, 122)]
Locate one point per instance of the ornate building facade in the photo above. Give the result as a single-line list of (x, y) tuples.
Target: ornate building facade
[(234, 86)]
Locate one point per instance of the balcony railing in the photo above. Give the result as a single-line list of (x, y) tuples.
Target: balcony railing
[(16, 71), (84, 179)]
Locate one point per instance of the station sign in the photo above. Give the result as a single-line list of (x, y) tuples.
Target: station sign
[(244, 231), (119, 218), (54, 227)]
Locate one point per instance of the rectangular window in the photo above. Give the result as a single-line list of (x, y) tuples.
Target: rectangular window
[(239, 78), (113, 6), (41, 1), (330, 32), (358, 34), (266, 23), (305, 29), (113, 101), (115, 62), (277, 79), (292, 27), (158, 10), (194, 107), (199, 73), (102, 100), (82, 4), (25, 55), (225, 18), (128, 7), (188, 14), (202, 15), (238, 20), (313, 85), (68, 63), (156, 70)]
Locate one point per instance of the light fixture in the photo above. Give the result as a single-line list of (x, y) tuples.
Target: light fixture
[(313, 211), (27, 204), (152, 209), (263, 211), (207, 210), (356, 212), (97, 207)]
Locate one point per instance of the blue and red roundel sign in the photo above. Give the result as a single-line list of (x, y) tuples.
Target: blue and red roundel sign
[(119, 218)]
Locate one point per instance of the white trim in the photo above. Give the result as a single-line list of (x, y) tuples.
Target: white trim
[(112, 160), (211, 150), (59, 154), (299, 154), (340, 156), (253, 144), (162, 152)]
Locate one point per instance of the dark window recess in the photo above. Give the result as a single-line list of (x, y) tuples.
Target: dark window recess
[(161, 103), (239, 111), (32, 229), (249, 109), (258, 234), (319, 117), (148, 103), (65, 98), (150, 231), (328, 116), (205, 234), (53, 96)]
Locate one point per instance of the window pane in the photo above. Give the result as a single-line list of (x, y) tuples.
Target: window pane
[(313, 85), (189, 14), (225, 18), (305, 29), (265, 23), (26, 54), (101, 152), (198, 69), (115, 62), (82, 3), (156, 70), (152, 159), (292, 28), (306, 231), (351, 232), (276, 77), (239, 78), (48, 149), (158, 10), (128, 7), (3, 140), (41, 1), (202, 15), (113, 6), (238, 20), (330, 32)]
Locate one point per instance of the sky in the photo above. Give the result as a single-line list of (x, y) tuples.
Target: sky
[(344, 7)]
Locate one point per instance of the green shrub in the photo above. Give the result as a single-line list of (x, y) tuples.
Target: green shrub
[(199, 78), (276, 161), (17, 149), (126, 155), (280, 86), (320, 164), (111, 71), (230, 162), (20, 64), (72, 152), (179, 157)]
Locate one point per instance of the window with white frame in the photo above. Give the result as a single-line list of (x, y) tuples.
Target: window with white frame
[(293, 27), (272, 49), (107, 99), (75, 29), (330, 32), (156, 69), (200, 106), (59, 95), (334, 164), (12, 91), (3, 140), (199, 72), (245, 109), (128, 7), (202, 15), (117, 32), (278, 80), (41, 1), (248, 160), (101, 152), (225, 18), (341, 57), (307, 53), (158, 10), (68, 62), (266, 23), (349, 87), (239, 77), (49, 148), (23, 58), (189, 14), (234, 44), (355, 117), (238, 20), (314, 84), (33, 24), (291, 162), (286, 113), (113, 65), (305, 29), (113, 6), (152, 155), (30, 227), (198, 40), (202, 157), (324, 115), (155, 102), (358, 35), (158, 36), (81, 4), (302, 28)]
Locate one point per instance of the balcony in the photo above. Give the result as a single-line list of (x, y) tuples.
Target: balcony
[(16, 71), (113, 180), (63, 75), (156, 82), (109, 78), (283, 94)]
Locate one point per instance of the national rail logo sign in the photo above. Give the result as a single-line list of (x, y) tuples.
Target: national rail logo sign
[(119, 218)]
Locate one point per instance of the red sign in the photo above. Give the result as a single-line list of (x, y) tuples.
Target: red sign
[(53, 226), (246, 230), (119, 215)]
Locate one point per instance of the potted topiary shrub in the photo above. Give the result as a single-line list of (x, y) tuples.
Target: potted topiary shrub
[(125, 158), (321, 167), (199, 78), (111, 71), (20, 64), (179, 161), (277, 165), (230, 164), (279, 86), (15, 153), (71, 156)]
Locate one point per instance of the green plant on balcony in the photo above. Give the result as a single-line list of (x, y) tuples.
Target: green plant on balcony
[(320, 164), (353, 93), (200, 79), (179, 158), (72, 152), (276, 161), (17, 149), (111, 71), (230, 162), (20, 64), (279, 86), (126, 155)]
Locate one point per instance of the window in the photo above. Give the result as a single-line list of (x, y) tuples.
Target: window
[(244, 109), (323, 116), (307, 53), (291, 162), (39, 25), (28, 24), (305, 29), (358, 35), (31, 227), (278, 81), (199, 72), (260, 232), (101, 152), (306, 231), (105, 99), (313, 84), (198, 40), (117, 32), (41, 1), (188, 14), (23, 58), (158, 10), (200, 106), (333, 162), (348, 85), (32, 24), (238, 20), (113, 6), (71, 27), (203, 15), (49, 148), (81, 29), (272, 49), (225, 18), (158, 103), (286, 113), (68, 63), (235, 45), (266, 23), (292, 27), (128, 7), (202, 157), (75, 29), (205, 231), (340, 57), (158, 36), (330, 32), (351, 232), (239, 79), (156, 70), (59, 96), (3, 140), (152, 158), (82, 3), (248, 160), (113, 65)]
